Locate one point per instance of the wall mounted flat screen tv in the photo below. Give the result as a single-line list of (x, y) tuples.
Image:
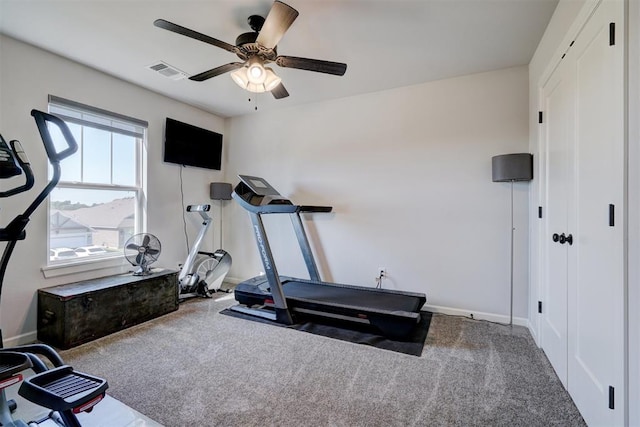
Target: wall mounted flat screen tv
[(189, 145)]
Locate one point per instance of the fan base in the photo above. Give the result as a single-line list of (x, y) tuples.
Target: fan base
[(246, 38), (142, 272)]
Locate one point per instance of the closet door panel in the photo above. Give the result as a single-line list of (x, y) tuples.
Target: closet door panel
[(596, 269), (557, 98)]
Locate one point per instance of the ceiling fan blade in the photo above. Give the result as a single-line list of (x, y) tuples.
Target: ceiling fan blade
[(216, 71), (278, 21), (161, 23), (279, 92), (320, 66)]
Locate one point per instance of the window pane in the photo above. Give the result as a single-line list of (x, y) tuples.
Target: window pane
[(91, 223), (96, 156), (124, 160), (97, 221)]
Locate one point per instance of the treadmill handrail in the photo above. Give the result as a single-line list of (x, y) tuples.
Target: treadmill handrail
[(324, 209)]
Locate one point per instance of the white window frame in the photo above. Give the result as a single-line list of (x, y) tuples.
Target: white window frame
[(82, 114)]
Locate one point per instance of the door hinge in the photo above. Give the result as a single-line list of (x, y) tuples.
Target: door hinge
[(539, 211), (611, 397), (612, 215), (612, 33), (539, 306), (539, 116)]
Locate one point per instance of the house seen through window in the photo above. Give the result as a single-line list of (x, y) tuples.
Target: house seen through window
[(96, 206)]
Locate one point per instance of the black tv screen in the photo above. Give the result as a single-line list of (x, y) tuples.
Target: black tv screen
[(189, 145)]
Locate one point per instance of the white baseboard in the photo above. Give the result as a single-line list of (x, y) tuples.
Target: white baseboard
[(233, 280), (28, 338), (532, 331), (478, 315)]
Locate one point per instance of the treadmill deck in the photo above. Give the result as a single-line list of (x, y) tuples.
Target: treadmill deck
[(350, 296)]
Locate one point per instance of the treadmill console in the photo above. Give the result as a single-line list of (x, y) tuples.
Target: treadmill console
[(259, 192), (258, 185)]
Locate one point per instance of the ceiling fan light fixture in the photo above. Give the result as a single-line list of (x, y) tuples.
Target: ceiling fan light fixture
[(256, 88), (255, 71), (271, 81), (240, 77)]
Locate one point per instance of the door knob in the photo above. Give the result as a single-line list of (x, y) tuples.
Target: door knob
[(555, 237), (566, 239)]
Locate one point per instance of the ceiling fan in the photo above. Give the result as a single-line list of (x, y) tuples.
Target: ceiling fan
[(256, 49)]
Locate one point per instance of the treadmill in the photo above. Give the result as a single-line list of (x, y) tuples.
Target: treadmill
[(391, 313)]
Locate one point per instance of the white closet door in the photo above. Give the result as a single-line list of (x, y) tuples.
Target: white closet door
[(557, 95), (596, 259)]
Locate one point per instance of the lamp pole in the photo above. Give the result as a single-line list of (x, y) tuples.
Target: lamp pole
[(511, 266)]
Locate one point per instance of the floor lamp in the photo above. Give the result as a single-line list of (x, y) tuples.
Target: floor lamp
[(511, 168), (220, 191)]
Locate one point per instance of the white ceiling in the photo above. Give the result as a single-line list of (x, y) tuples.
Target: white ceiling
[(386, 43)]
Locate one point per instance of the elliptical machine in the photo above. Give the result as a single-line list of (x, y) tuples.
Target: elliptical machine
[(62, 390), (202, 273)]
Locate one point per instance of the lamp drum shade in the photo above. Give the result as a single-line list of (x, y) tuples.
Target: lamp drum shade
[(512, 167), (220, 191)]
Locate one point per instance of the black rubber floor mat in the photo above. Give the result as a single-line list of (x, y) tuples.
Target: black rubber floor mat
[(355, 333)]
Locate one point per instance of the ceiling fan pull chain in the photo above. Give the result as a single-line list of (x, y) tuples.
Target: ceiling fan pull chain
[(255, 99)]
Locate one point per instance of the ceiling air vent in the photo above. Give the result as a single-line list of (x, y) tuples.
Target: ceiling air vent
[(168, 71)]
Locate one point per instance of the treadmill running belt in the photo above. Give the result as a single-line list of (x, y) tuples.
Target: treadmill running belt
[(328, 293)]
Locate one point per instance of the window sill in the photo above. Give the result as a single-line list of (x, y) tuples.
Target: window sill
[(114, 265)]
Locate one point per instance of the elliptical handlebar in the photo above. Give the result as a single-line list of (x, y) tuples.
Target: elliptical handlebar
[(22, 159), (54, 156), (15, 230)]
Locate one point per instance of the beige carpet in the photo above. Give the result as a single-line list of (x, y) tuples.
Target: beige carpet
[(198, 367)]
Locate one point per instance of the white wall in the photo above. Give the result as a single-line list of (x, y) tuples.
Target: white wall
[(27, 76), (408, 172)]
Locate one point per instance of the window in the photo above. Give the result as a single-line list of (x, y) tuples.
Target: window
[(97, 205)]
